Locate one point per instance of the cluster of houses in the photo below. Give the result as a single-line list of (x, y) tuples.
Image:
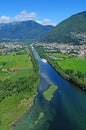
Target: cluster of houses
[(14, 69), (6, 47), (10, 69), (78, 50)]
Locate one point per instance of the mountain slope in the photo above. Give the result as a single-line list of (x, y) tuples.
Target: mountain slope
[(71, 30), (25, 30)]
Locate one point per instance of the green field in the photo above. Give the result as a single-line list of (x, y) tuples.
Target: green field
[(76, 64), (70, 62), (59, 55), (22, 62)]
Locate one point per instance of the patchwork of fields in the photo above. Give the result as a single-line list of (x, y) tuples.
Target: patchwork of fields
[(74, 63), (14, 66), (19, 78)]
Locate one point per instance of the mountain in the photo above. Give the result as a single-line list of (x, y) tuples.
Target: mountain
[(23, 30), (72, 30)]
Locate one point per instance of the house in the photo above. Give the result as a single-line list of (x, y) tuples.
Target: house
[(14, 69)]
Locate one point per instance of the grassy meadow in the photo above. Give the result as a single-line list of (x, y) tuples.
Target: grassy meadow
[(70, 62), (59, 55), (22, 62), (77, 64)]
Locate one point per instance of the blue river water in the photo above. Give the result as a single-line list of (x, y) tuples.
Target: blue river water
[(66, 110)]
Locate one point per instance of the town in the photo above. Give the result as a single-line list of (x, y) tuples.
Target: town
[(7, 47), (76, 50)]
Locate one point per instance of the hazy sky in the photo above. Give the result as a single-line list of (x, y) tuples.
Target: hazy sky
[(42, 11)]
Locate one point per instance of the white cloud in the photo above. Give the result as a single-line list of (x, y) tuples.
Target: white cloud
[(4, 19), (26, 16), (46, 22), (23, 16)]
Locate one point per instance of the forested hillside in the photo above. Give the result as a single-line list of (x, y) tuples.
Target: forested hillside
[(23, 31), (71, 30)]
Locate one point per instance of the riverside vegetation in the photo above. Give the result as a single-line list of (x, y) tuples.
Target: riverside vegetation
[(19, 78), (71, 68), (48, 94)]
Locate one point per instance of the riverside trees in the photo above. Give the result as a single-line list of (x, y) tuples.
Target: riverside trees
[(72, 69)]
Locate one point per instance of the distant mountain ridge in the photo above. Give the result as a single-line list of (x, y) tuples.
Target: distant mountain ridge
[(24, 30), (71, 31)]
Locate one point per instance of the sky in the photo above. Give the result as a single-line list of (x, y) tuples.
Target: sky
[(45, 12)]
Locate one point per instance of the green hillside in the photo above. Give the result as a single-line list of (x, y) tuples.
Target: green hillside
[(71, 30)]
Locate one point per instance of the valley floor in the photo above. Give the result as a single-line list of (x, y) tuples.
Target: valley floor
[(19, 78)]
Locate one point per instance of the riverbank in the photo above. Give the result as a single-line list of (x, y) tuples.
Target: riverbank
[(13, 108), (70, 77), (78, 78)]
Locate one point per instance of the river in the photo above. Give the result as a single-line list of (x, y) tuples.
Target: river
[(66, 110)]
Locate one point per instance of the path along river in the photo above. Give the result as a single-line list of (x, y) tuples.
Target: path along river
[(66, 110)]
